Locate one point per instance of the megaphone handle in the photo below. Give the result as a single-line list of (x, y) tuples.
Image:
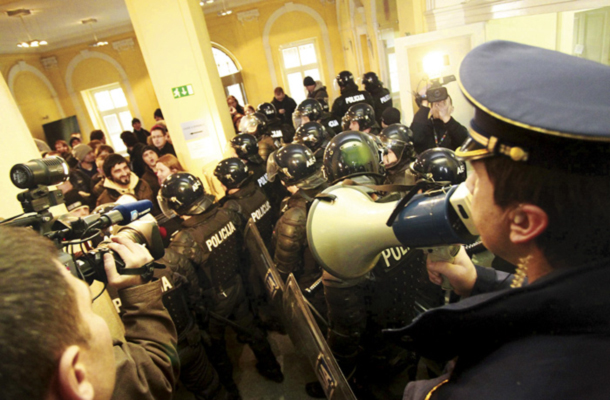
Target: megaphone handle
[(444, 253)]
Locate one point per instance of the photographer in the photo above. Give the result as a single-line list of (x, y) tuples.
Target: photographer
[(433, 125), (539, 200), (52, 345)]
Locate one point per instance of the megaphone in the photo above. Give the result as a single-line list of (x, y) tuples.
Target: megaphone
[(347, 230)]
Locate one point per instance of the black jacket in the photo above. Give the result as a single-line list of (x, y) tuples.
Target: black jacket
[(546, 340), (382, 99), (251, 202), (349, 96), (428, 133), (288, 105), (138, 166)]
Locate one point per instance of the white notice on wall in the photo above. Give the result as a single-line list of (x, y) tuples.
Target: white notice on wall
[(200, 142)]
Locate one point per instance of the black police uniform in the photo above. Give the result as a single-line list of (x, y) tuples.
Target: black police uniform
[(280, 131), (251, 202), (181, 295), (350, 95), (382, 99), (429, 133), (212, 242), (275, 191)]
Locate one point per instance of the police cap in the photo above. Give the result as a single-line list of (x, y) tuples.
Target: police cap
[(537, 106)]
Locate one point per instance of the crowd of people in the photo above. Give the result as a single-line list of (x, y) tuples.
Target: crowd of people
[(395, 321)]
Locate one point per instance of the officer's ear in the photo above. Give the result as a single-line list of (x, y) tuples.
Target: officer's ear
[(527, 222), (73, 380)]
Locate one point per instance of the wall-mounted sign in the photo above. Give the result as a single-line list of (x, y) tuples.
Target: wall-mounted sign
[(182, 91)]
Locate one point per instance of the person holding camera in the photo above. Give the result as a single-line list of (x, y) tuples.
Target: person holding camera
[(52, 344), (433, 125)]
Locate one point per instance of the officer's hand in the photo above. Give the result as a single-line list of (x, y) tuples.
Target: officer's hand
[(461, 273), (134, 256), (282, 111)]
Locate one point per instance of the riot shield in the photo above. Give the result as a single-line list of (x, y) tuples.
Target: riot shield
[(306, 337), (264, 265)]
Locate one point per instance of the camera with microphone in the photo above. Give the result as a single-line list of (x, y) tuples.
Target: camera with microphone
[(35, 176)]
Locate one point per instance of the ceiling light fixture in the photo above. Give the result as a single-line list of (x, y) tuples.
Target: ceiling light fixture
[(30, 42), (224, 11), (97, 43), (203, 2)]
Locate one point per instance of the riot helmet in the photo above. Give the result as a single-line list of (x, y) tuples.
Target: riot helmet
[(351, 154), (246, 148), (398, 139), (313, 135), (344, 79), (232, 172), (268, 109), (370, 80), (183, 194), (310, 108), (254, 124), (362, 113), (439, 164), (295, 165)]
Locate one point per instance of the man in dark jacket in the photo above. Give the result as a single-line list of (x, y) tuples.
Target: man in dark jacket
[(59, 339), (135, 150), (316, 90), (160, 139), (541, 338), (284, 105), (141, 133)]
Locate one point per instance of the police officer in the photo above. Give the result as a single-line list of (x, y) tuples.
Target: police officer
[(396, 290), (539, 198), (350, 95), (310, 110), (399, 153), (256, 124), (244, 196), (295, 166), (439, 165), (211, 240), (246, 148), (381, 95), (279, 131), (315, 137), (361, 117)]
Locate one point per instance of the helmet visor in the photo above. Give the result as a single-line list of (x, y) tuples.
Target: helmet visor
[(272, 167), (165, 208), (248, 124), (297, 119)]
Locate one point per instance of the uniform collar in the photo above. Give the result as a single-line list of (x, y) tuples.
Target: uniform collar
[(570, 301)]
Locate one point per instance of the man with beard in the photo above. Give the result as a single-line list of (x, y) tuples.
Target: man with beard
[(120, 181)]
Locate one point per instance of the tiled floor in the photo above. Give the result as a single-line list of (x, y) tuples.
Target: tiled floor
[(252, 386)]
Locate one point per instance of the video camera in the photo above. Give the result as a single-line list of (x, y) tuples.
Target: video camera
[(35, 176), (436, 92)]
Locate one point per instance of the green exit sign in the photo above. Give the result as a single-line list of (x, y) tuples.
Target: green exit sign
[(182, 91)]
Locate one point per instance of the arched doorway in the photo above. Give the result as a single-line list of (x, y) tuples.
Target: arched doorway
[(230, 73)]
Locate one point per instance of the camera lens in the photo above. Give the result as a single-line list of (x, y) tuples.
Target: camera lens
[(41, 171)]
